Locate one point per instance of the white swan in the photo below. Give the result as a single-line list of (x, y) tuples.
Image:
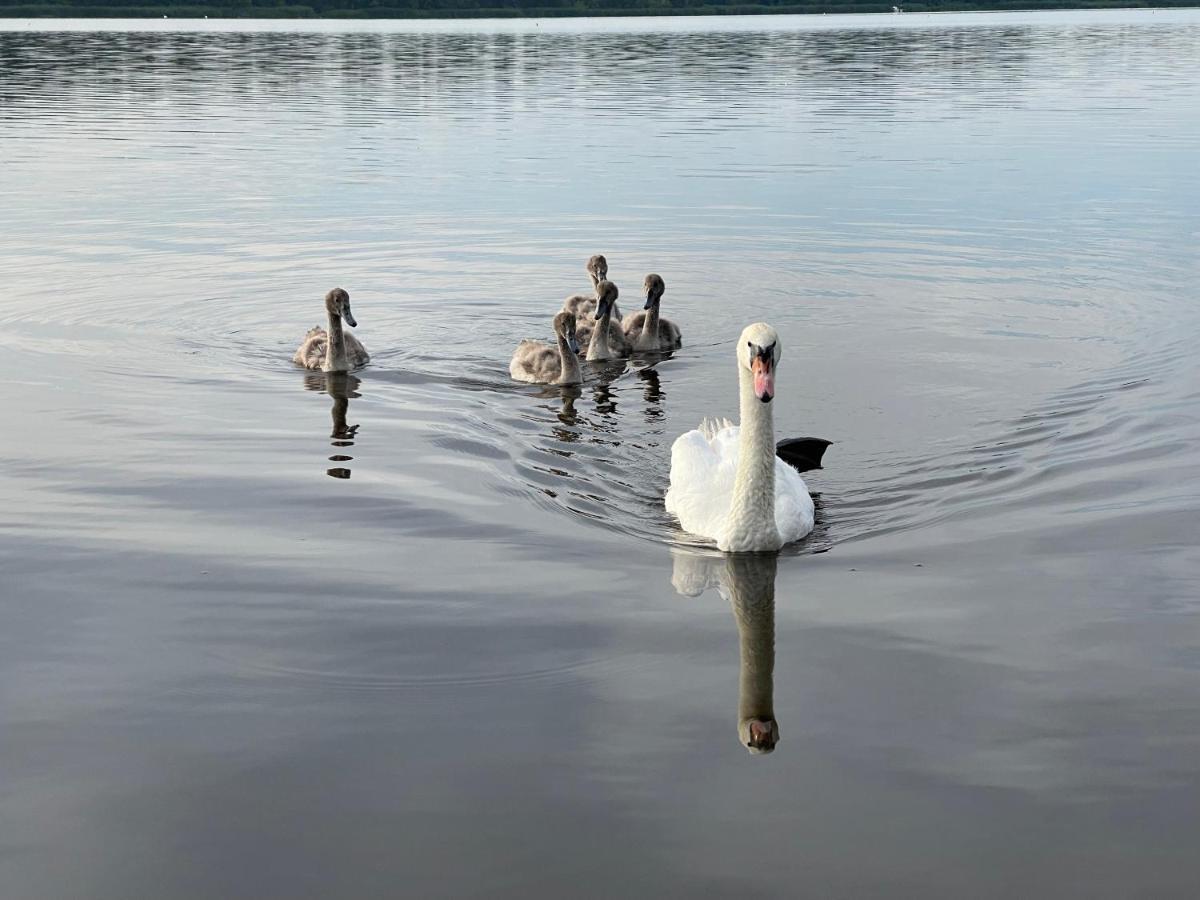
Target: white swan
[(539, 363), (726, 482), (333, 351), (602, 336), (645, 330), (584, 305)]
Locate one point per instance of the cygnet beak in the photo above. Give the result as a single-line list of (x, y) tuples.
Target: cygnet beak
[(349, 317)]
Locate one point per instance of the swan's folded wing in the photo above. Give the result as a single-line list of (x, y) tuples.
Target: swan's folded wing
[(711, 426), (674, 334), (584, 328), (584, 305), (632, 324), (356, 351), (580, 304), (534, 362), (311, 352), (702, 475), (794, 510)]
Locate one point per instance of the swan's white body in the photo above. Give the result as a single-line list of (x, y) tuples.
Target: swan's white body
[(705, 464), (727, 484)]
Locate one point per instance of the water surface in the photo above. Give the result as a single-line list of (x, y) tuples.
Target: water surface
[(420, 631)]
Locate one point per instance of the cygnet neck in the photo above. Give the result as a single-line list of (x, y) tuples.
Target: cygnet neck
[(649, 333), (335, 349), (570, 372), (600, 338)]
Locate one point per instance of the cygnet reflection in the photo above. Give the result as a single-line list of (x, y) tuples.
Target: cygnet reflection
[(583, 412), (341, 387), (569, 393), (652, 392), (747, 581), (603, 397)]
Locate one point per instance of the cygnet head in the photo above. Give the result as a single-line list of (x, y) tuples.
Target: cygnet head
[(337, 303), (759, 735), (564, 327), (597, 268), (653, 288), (759, 349), (606, 296)]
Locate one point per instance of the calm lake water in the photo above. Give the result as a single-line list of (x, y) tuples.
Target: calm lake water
[(477, 660)]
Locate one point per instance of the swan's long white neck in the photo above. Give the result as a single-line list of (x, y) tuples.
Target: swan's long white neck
[(335, 348), (751, 524), (649, 335), (570, 372), (599, 347)]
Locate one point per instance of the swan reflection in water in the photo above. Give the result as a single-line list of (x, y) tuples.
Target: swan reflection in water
[(570, 419), (567, 416), (341, 387), (591, 407), (747, 581), (652, 393), (604, 399)]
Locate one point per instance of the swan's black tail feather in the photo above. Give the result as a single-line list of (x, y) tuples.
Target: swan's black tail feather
[(803, 453)]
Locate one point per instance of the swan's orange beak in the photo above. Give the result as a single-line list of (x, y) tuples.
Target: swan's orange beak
[(764, 376)]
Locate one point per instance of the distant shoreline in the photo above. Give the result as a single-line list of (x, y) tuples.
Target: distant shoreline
[(474, 9)]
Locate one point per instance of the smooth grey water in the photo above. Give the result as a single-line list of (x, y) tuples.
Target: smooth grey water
[(474, 662)]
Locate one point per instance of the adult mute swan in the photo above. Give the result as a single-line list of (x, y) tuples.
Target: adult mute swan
[(602, 336), (726, 482), (585, 304), (645, 330), (333, 350), (539, 363)]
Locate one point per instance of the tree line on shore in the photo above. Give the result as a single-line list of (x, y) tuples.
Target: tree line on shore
[(446, 9)]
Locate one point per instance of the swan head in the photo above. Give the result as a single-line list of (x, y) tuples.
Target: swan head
[(759, 349), (606, 296), (759, 735), (337, 303), (564, 327), (653, 288), (597, 268)]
